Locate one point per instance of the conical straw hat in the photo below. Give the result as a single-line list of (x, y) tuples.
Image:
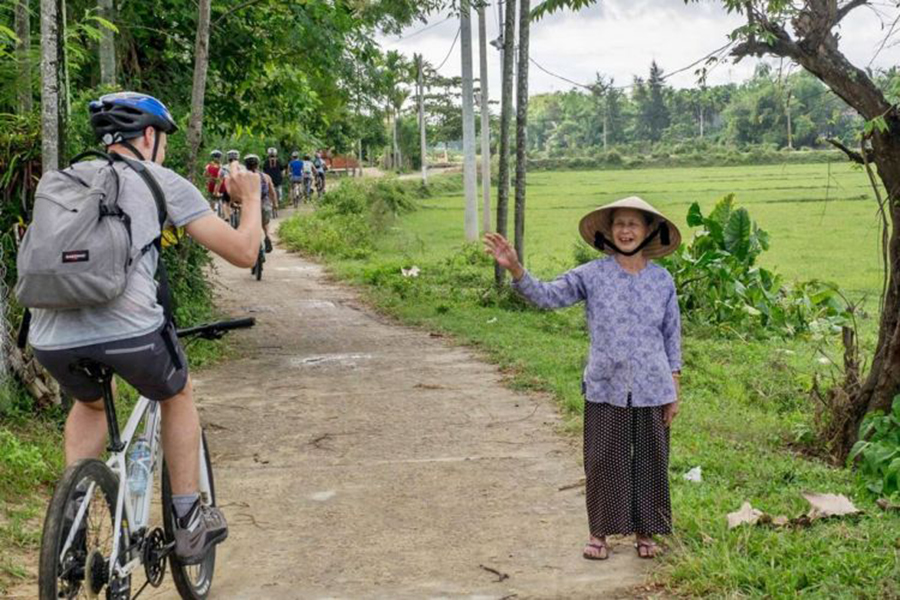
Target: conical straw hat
[(600, 221)]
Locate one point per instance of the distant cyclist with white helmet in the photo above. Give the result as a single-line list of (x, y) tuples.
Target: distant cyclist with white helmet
[(274, 168), (267, 196), (231, 157)]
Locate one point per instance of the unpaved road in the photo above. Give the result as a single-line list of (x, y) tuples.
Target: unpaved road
[(357, 458)]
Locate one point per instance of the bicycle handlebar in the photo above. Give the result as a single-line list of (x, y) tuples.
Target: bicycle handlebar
[(216, 330)]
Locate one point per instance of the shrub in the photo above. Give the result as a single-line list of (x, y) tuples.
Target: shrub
[(720, 284), (328, 232), (877, 453)]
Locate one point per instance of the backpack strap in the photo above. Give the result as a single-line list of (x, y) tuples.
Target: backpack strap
[(163, 291)]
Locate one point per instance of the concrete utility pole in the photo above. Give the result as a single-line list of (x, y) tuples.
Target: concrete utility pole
[(468, 117), (420, 91), (107, 45), (485, 124)]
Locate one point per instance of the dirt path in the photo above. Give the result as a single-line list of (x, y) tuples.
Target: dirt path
[(357, 458)]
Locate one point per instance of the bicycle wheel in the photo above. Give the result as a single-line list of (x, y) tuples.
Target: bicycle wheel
[(83, 571), (259, 264), (193, 582)]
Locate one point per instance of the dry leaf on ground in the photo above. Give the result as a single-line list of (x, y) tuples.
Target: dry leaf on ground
[(746, 514), (829, 505)]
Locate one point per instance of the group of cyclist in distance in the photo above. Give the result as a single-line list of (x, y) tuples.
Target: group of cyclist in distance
[(303, 173)]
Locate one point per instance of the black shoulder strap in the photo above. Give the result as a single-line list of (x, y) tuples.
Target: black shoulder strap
[(163, 291)]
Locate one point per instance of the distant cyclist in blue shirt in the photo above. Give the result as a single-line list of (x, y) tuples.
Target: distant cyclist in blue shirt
[(295, 168)]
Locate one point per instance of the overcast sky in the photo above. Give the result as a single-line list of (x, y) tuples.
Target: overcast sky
[(619, 38)]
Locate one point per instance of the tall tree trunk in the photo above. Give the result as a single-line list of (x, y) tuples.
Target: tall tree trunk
[(66, 90), (108, 45), (470, 183), (787, 113), (23, 56), (817, 51), (485, 123), (701, 122), (420, 91), (198, 89), (51, 86), (605, 124), (506, 95), (522, 126), (397, 162)]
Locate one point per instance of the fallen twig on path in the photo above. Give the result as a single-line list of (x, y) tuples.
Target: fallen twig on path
[(500, 576)]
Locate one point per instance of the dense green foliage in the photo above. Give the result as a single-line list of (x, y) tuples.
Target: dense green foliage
[(650, 117)]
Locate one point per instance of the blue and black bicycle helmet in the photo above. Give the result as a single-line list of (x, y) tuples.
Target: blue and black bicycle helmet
[(122, 116)]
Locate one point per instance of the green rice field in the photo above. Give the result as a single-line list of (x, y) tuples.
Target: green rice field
[(823, 218)]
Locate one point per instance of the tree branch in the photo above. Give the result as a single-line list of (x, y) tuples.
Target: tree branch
[(852, 154), (228, 13), (847, 8)]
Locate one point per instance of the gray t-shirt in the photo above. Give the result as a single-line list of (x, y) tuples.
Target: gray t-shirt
[(136, 312)]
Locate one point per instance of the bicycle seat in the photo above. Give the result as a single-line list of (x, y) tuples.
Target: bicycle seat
[(93, 369)]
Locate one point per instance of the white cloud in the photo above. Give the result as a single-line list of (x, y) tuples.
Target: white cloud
[(619, 38)]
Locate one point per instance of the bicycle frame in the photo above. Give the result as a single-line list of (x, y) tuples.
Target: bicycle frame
[(132, 511)]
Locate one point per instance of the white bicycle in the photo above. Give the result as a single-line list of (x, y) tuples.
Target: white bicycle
[(99, 531)]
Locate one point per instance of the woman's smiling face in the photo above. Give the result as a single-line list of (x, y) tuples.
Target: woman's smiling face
[(629, 228)]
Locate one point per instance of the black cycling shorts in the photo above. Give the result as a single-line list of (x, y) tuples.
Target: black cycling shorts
[(146, 362)]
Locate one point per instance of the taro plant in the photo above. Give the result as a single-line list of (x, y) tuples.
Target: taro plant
[(720, 284), (877, 453)]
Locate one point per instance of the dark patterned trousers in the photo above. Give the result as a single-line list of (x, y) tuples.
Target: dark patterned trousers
[(626, 463)]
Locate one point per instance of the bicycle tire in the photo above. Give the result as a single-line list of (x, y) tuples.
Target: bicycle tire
[(56, 531), (259, 264), (193, 582)]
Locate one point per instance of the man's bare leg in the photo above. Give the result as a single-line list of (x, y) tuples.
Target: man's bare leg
[(181, 441), (85, 432)]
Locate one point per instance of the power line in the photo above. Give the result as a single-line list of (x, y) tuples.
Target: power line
[(423, 30), (452, 46), (625, 87)]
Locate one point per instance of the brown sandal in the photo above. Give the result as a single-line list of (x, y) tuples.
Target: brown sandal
[(602, 547), (649, 549)]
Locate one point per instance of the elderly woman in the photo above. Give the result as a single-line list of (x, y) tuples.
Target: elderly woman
[(631, 381)]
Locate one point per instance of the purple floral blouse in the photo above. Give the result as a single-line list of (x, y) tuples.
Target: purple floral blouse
[(635, 328)]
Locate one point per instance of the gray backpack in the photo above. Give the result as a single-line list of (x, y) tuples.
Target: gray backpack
[(77, 250)]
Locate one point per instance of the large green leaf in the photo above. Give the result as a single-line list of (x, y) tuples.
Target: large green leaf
[(737, 233), (694, 216)]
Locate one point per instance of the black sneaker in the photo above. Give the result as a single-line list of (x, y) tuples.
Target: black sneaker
[(196, 532)]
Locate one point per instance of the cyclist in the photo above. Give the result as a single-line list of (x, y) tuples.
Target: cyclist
[(231, 157), (213, 167), (296, 170), (307, 177), (320, 167), (274, 168), (268, 195), (132, 334)]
